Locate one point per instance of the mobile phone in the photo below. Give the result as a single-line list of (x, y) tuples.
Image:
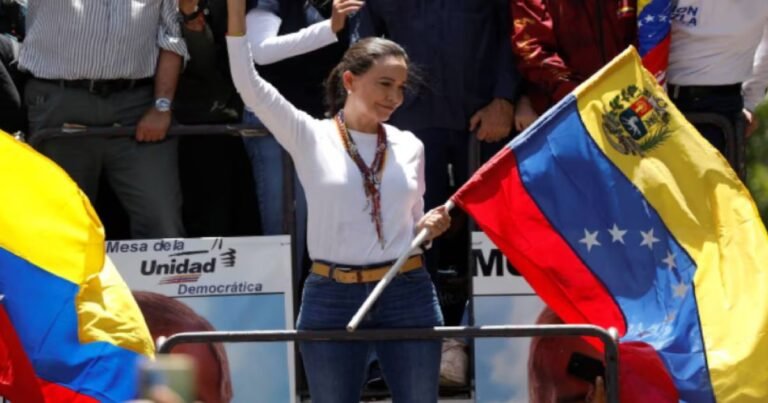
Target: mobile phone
[(585, 367), (174, 372)]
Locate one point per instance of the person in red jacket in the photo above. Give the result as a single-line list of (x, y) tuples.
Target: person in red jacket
[(560, 43)]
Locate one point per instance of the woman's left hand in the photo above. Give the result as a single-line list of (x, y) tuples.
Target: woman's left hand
[(436, 221)]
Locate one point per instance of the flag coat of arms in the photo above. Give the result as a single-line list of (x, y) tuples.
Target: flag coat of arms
[(619, 214), (71, 331)]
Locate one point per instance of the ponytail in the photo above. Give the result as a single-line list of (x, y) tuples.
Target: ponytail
[(335, 93)]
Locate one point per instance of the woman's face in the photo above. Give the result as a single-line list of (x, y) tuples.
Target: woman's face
[(378, 92)]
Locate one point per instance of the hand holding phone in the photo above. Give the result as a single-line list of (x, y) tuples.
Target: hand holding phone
[(585, 367)]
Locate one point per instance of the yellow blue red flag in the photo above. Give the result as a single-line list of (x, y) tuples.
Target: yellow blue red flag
[(73, 315), (620, 214), (654, 27)]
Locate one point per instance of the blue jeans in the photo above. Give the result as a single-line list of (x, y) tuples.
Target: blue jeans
[(336, 370), (266, 157)]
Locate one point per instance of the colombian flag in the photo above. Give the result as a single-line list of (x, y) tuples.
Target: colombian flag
[(73, 332), (619, 214), (653, 35)]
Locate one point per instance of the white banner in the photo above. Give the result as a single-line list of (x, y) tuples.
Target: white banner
[(492, 272), (500, 298), (242, 283)]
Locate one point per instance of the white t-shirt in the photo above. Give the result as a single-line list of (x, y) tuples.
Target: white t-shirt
[(339, 227), (714, 41)]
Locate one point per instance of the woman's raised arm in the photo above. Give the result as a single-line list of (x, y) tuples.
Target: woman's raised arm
[(288, 124)]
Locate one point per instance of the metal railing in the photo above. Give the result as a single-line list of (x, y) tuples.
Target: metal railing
[(607, 337), (242, 130)]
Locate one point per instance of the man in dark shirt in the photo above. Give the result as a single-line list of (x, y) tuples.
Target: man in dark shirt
[(11, 81), (469, 88), (10, 100)]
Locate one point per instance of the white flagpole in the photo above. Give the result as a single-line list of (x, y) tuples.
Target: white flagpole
[(391, 273)]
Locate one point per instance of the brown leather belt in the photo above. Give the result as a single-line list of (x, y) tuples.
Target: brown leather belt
[(362, 274)]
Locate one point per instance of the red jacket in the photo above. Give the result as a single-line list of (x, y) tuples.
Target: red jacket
[(557, 43)]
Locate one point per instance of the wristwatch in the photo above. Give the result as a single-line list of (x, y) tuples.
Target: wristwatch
[(201, 7), (163, 104), (185, 18)]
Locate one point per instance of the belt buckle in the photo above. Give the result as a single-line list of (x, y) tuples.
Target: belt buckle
[(358, 273), (100, 88), (332, 269)]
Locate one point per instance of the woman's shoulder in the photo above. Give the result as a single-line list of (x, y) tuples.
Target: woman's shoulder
[(403, 138)]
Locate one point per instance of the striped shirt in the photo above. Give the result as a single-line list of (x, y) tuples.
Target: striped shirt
[(99, 39)]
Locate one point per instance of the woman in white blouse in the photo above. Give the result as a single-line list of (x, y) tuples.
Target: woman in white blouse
[(287, 36), (364, 182)]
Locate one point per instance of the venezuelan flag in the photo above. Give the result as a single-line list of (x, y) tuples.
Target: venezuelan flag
[(653, 35), (620, 214), (73, 315)]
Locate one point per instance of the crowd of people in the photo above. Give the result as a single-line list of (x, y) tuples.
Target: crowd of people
[(451, 76)]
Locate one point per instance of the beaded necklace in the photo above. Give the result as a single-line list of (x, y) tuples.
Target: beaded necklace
[(371, 175)]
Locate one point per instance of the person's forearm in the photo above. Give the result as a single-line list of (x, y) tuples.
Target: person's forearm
[(754, 88), (167, 75), (236, 17), (535, 43)]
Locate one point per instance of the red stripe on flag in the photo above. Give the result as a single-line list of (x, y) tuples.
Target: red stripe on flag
[(57, 393), (18, 381), (497, 199), (657, 59)]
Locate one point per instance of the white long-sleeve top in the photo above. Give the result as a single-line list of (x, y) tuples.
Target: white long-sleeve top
[(339, 226), (755, 87), (267, 47), (714, 41)]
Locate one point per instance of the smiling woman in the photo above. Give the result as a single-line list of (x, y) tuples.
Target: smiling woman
[(368, 82), (355, 232)]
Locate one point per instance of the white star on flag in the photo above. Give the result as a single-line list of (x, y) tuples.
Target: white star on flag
[(617, 234), (670, 260), (680, 290), (662, 18), (649, 18), (670, 316), (648, 239), (590, 239)]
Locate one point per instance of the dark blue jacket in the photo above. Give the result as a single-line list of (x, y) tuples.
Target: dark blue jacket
[(462, 49)]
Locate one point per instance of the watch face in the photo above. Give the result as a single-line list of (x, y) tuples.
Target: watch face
[(163, 104)]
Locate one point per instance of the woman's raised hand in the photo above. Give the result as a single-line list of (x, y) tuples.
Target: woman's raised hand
[(341, 9)]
